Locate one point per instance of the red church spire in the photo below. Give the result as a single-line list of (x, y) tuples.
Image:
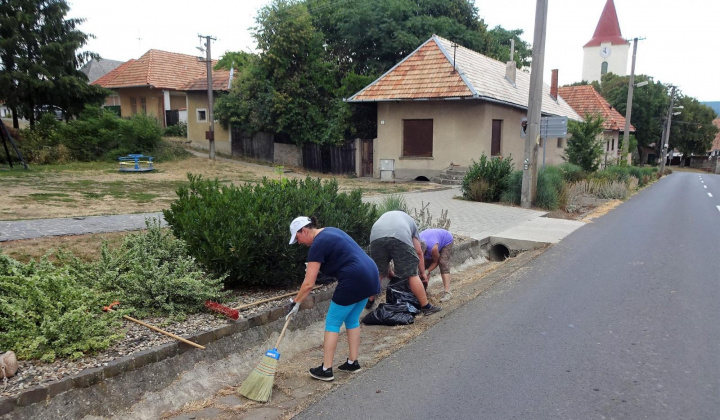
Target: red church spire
[(608, 28)]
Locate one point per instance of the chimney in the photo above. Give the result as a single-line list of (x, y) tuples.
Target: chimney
[(554, 85), (510, 68)]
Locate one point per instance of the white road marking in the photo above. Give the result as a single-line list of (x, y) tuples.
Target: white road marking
[(709, 195), (704, 186), (718, 207)]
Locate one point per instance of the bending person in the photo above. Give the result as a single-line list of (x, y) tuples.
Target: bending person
[(339, 256), (439, 247), (394, 237)]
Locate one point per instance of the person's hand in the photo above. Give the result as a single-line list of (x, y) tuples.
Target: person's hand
[(294, 309)]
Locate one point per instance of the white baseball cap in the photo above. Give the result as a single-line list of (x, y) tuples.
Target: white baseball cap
[(297, 224)]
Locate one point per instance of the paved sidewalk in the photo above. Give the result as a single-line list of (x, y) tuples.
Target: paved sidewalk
[(472, 219), (29, 229)]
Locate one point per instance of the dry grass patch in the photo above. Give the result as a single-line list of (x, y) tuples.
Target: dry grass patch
[(84, 247)]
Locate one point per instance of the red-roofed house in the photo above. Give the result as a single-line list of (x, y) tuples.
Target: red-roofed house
[(162, 81), (434, 111), (585, 100), (607, 50)]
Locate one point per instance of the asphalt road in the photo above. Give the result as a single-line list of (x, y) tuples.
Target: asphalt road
[(620, 320)]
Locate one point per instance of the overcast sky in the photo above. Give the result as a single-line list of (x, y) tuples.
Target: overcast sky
[(679, 46)]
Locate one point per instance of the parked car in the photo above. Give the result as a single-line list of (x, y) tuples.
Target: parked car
[(48, 109)]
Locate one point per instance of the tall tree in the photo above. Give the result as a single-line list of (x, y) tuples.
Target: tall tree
[(649, 106), (583, 147), (692, 131), (290, 88), (40, 59)]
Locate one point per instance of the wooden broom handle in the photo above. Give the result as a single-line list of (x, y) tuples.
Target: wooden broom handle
[(240, 308), (169, 334), (282, 333), (109, 308)]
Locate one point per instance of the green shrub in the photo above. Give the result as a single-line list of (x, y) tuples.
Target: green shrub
[(550, 188), (392, 202), (513, 192), (166, 151), (486, 180), (152, 273), (243, 230), (571, 172), (45, 312), (644, 175), (177, 130)]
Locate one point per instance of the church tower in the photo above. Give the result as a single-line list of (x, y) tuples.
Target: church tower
[(607, 51)]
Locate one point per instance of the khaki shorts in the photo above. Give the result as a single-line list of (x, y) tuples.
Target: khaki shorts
[(445, 255), (403, 256)]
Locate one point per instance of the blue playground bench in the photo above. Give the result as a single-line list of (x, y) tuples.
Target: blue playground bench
[(136, 163)]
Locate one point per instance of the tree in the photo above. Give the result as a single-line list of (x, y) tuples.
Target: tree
[(290, 87), (650, 103), (692, 132), (40, 62), (583, 148)]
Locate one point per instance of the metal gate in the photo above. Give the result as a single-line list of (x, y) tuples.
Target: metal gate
[(172, 117)]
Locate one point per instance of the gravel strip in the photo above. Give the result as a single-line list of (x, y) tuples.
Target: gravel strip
[(137, 338)]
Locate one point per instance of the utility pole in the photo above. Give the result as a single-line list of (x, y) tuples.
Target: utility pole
[(666, 139), (210, 135), (529, 178), (628, 109)]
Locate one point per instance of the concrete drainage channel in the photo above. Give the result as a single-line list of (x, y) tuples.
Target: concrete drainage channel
[(168, 377)]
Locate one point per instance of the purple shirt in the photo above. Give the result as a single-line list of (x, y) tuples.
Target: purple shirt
[(431, 237)]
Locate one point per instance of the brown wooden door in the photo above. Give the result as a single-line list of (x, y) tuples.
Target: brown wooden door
[(495, 147), (367, 158)]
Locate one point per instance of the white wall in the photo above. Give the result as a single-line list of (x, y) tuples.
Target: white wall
[(592, 61)]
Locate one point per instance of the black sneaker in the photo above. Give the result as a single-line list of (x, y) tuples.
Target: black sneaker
[(351, 368), (369, 304), (431, 310), (323, 375)]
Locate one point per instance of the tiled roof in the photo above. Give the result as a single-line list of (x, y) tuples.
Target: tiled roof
[(716, 142), (158, 69), (427, 73), (219, 82), (608, 28), (586, 100), (103, 81)]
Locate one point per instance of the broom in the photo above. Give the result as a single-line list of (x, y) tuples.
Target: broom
[(258, 386)]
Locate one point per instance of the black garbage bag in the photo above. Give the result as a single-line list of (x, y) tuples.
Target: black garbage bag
[(398, 292), (391, 314)]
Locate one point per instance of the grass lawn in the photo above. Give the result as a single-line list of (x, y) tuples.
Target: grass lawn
[(98, 188)]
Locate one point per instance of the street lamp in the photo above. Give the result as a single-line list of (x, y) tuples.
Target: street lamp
[(666, 139)]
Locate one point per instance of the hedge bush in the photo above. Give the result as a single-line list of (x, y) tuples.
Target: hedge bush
[(487, 179), (513, 192), (572, 173), (46, 313), (551, 188), (97, 134), (242, 231)]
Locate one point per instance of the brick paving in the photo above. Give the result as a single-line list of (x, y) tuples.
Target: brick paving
[(468, 218)]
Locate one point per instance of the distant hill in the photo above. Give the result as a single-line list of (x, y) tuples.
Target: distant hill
[(714, 105)]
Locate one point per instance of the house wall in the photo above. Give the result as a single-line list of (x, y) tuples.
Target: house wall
[(609, 140), (196, 130), (177, 101), (153, 102), (462, 131)]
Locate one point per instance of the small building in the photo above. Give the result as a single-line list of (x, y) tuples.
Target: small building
[(715, 148), (196, 113), (585, 100), (445, 105)]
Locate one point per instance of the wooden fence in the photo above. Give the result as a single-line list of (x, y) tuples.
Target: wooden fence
[(260, 146), (333, 159)]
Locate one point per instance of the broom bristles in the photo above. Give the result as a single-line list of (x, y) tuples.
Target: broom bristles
[(258, 386)]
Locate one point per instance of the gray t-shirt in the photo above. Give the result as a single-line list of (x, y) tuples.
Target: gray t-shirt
[(395, 224)]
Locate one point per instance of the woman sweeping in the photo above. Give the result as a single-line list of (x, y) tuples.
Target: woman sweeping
[(336, 254)]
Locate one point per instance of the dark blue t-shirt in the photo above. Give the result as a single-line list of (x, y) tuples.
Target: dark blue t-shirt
[(341, 257)]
